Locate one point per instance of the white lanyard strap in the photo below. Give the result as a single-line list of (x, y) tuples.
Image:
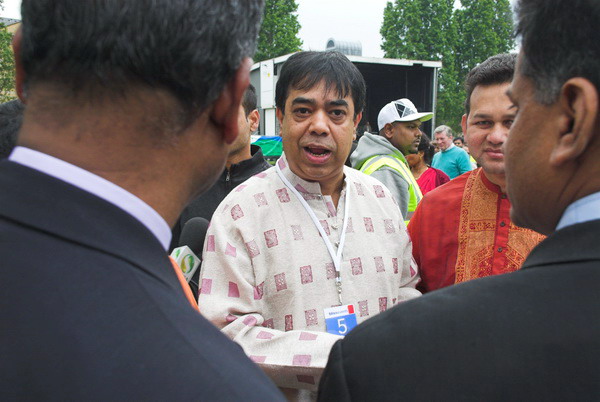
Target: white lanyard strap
[(336, 257)]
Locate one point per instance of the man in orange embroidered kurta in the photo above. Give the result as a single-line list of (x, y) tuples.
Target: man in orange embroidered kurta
[(462, 230)]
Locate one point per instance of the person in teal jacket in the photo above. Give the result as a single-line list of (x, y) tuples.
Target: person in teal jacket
[(451, 159)]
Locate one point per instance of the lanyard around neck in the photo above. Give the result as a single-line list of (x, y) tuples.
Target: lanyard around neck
[(336, 257)]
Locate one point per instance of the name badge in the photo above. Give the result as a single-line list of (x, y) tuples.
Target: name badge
[(340, 320)]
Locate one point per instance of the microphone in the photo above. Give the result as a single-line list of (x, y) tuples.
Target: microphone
[(189, 253), (193, 234)]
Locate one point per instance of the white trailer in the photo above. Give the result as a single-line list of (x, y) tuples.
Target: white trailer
[(387, 79)]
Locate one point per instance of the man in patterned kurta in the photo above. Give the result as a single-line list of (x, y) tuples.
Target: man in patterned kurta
[(462, 230), (268, 275)]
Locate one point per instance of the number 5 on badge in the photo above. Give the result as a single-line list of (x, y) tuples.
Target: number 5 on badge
[(340, 320)]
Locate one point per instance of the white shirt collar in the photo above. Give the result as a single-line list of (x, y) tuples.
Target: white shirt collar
[(450, 147), (98, 186), (303, 186), (583, 210)]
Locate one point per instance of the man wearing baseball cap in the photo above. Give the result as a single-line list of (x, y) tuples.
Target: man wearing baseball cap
[(383, 156)]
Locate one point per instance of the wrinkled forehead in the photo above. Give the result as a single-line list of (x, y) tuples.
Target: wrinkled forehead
[(326, 89)]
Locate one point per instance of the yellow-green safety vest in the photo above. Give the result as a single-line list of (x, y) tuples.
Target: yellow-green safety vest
[(376, 162)]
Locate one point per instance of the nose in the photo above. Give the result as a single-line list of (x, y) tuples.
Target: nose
[(319, 123), (498, 134)]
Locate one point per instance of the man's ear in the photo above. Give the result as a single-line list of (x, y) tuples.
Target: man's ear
[(578, 108), (357, 120), (279, 114), (254, 119), (463, 125), (19, 70), (387, 131), (225, 110)]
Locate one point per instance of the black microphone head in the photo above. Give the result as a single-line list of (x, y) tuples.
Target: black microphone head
[(193, 235)]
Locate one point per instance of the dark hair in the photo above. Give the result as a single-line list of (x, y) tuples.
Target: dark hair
[(427, 148), (559, 40), (99, 48), (11, 116), (496, 70), (249, 100), (461, 139), (305, 70)]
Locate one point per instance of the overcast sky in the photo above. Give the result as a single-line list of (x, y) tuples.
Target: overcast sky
[(12, 9), (347, 20)]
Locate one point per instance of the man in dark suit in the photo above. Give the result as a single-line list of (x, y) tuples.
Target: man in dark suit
[(130, 107), (533, 334)]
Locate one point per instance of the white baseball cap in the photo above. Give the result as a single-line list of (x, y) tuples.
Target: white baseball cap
[(400, 110)]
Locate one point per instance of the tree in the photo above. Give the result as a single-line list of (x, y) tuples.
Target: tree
[(460, 38), (425, 30), (279, 31), (485, 28), (7, 66), (418, 29)]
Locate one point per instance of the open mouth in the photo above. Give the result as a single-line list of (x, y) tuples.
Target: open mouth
[(318, 152), (317, 155)]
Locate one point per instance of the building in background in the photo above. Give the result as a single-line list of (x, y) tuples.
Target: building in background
[(348, 48), (387, 80), (10, 24)]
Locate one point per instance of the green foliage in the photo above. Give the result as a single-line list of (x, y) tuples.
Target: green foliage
[(418, 29), (7, 66), (460, 38), (485, 28), (279, 31)]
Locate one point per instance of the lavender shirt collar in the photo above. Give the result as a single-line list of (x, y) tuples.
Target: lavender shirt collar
[(98, 186), (583, 210)]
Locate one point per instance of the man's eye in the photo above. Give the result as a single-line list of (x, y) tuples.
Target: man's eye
[(508, 123), (483, 123), (301, 110), (338, 113)]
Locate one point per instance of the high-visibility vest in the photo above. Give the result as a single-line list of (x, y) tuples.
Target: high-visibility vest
[(414, 192)]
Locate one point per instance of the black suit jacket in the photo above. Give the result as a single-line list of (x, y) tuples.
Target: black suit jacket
[(92, 310), (532, 335)]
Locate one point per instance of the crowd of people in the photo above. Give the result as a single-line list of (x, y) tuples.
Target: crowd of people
[(463, 273)]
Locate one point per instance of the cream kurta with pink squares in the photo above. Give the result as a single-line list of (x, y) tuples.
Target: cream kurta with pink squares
[(267, 275)]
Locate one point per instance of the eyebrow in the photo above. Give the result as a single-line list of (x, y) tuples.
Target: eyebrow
[(481, 116), (338, 102), (303, 101), (488, 116)]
